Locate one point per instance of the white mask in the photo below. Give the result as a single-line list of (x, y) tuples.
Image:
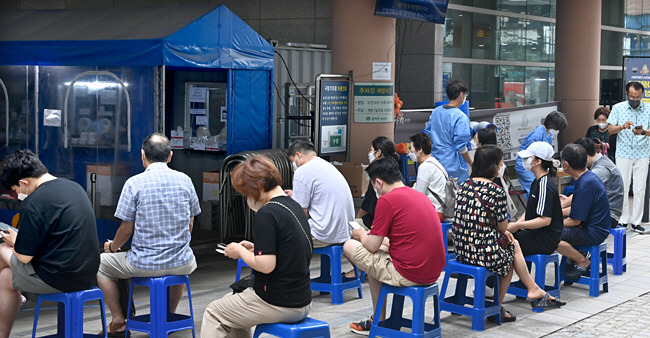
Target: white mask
[(413, 157), (371, 157), (473, 144), (22, 196), (376, 192), (502, 169), (603, 125), (527, 163), (294, 166), (554, 133)]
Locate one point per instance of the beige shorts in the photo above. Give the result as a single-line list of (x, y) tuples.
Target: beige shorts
[(115, 266), (379, 266), (320, 244)]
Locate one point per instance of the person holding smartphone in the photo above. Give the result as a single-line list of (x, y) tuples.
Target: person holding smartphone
[(630, 120)]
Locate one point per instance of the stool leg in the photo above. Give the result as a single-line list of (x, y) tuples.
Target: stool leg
[(624, 252), (189, 298), (62, 329), (36, 312), (103, 313), (395, 319), (594, 275), (335, 275), (129, 312), (417, 323), (603, 257)]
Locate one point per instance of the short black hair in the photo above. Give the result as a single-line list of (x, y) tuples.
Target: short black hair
[(486, 161), (156, 148), (555, 120), (588, 144), (575, 155), (386, 146), (487, 136), (455, 87), (302, 146), (386, 169), (19, 165), (422, 141), (637, 85)]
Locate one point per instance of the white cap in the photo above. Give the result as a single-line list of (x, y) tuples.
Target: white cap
[(540, 149)]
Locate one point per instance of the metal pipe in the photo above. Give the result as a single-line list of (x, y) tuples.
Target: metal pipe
[(36, 129), (4, 90), (93, 192)]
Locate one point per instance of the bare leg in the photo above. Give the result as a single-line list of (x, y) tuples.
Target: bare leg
[(375, 285), (9, 302), (534, 291), (112, 299), (175, 294), (566, 249), (375, 288)]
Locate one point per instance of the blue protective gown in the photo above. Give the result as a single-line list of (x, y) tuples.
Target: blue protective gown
[(526, 177), (449, 130)]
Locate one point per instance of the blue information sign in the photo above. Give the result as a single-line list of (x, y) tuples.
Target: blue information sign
[(422, 10), (639, 70), (333, 116)]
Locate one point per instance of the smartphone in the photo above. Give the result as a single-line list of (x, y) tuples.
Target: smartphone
[(354, 225), (638, 127), (5, 227), (221, 248)]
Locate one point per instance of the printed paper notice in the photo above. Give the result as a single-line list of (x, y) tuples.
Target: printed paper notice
[(201, 120), (198, 94), (381, 70)]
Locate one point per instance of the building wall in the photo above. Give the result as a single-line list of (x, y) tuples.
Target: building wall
[(306, 21)]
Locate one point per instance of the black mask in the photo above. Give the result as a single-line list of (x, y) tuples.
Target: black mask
[(634, 103)]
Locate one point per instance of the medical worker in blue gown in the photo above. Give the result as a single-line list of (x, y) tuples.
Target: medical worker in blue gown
[(449, 130), (553, 123)]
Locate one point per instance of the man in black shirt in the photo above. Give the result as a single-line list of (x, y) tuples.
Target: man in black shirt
[(56, 249)]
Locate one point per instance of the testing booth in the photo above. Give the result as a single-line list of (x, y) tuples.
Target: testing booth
[(83, 88)]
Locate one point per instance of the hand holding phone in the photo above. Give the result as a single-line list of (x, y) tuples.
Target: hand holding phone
[(5, 227), (638, 126)]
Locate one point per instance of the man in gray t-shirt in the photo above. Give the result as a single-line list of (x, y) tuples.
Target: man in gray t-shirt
[(607, 171)]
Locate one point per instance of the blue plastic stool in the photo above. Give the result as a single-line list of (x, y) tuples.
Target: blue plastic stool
[(330, 279), (594, 278), (482, 308), (305, 328), (617, 259), (240, 265), (160, 322), (446, 226), (541, 263), (390, 327), (70, 317)]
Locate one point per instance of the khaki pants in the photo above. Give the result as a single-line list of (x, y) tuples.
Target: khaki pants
[(235, 314)]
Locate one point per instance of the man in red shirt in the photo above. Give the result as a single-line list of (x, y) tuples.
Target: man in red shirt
[(407, 223)]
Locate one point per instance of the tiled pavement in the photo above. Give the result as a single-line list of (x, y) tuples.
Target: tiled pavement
[(624, 311)]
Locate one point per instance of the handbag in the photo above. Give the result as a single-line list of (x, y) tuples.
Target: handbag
[(502, 241)]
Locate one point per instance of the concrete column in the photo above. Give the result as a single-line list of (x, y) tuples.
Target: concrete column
[(577, 63), (360, 38)]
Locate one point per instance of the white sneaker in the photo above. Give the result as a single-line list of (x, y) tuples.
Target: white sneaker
[(489, 293)]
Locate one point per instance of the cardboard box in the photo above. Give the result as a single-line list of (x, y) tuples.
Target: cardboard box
[(110, 180), (356, 176), (210, 186)]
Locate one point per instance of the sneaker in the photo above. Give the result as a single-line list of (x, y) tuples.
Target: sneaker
[(639, 229), (489, 292), (362, 327)]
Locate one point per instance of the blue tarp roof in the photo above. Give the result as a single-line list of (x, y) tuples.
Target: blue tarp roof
[(196, 37)]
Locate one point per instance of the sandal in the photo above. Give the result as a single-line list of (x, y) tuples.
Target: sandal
[(546, 302), (113, 330), (504, 319)]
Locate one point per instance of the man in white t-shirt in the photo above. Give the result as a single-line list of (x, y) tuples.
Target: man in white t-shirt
[(432, 177), (323, 193)]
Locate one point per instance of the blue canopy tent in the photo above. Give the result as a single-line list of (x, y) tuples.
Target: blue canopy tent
[(43, 52)]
